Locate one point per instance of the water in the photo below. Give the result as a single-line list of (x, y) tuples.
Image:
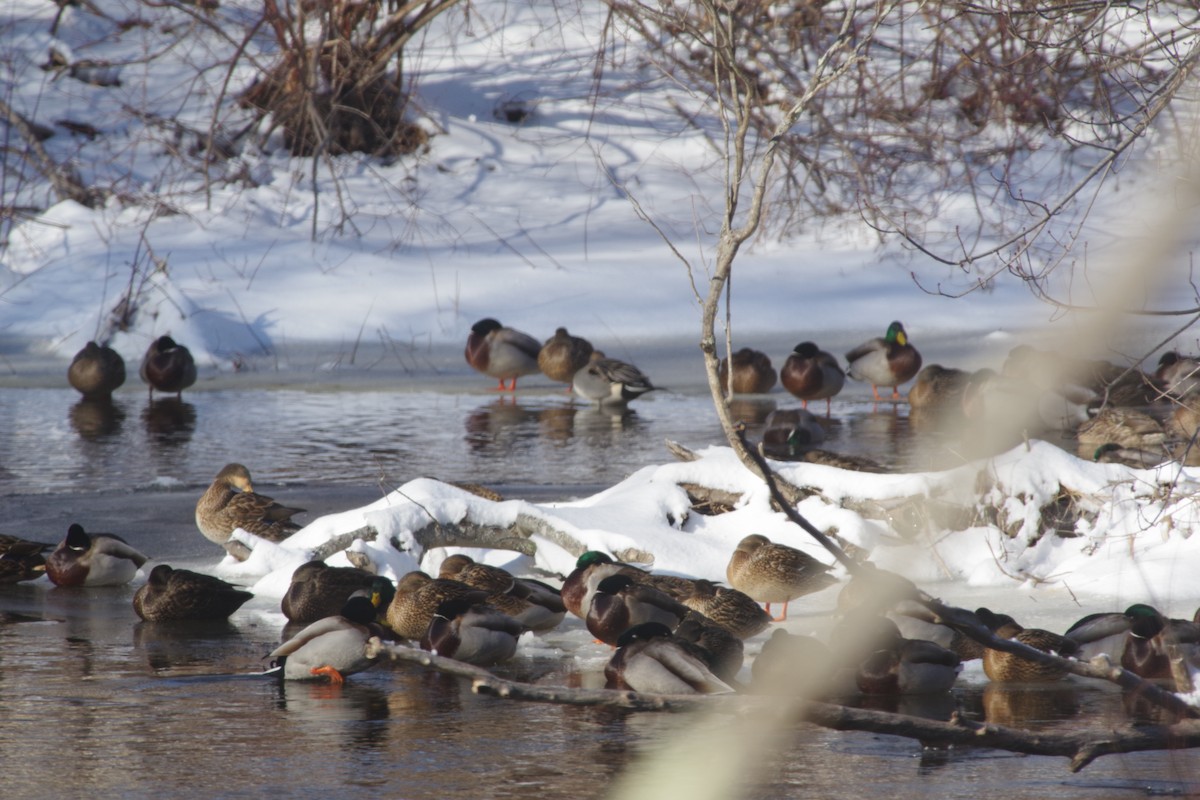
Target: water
[(94, 703)]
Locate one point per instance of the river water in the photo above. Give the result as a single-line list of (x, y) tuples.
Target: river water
[(94, 703)]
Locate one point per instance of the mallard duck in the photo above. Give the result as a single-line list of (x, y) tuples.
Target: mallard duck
[(753, 372), (938, 387), (416, 601), (178, 594), (810, 373), (619, 603), (790, 432), (97, 559), (470, 630), (792, 664), (607, 381), (318, 590), (886, 361), (1005, 667), (775, 573), (535, 605), (593, 566), (332, 647), (1122, 426), (915, 621), (1139, 630), (168, 367), (1178, 376), (734, 611), (650, 659), (562, 355), (1105, 632), (723, 652), (501, 352), (96, 371), (230, 502), (1051, 371), (1135, 457), (21, 559), (897, 665)]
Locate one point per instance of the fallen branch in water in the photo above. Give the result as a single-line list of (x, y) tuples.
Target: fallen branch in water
[(1082, 746)]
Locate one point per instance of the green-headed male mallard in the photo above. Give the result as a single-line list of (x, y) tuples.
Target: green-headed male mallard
[(97, 559), (885, 361), (775, 573), (96, 371), (1004, 667), (810, 373), (178, 594), (501, 352), (468, 629), (650, 659), (562, 355), (619, 603), (332, 647), (318, 590), (753, 372), (607, 381), (789, 433), (168, 367), (896, 665), (230, 502)]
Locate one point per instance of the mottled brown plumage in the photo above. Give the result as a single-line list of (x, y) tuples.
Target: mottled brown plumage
[(96, 371), (230, 502), (733, 610), (775, 573), (753, 372), (179, 594), (318, 590), (416, 601), (562, 355), (1005, 667)]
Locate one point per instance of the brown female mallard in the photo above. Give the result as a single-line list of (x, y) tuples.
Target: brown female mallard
[(562, 355), (775, 573), (21, 559), (753, 372), (734, 611), (96, 371), (230, 502), (416, 601), (318, 590), (179, 594), (1005, 667)]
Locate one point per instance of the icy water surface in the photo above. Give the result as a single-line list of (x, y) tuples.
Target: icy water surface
[(95, 703)]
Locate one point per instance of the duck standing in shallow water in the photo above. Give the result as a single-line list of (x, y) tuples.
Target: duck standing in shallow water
[(332, 647), (179, 594), (98, 559), (501, 352), (96, 371), (775, 573), (885, 361), (810, 373), (753, 372), (562, 355), (607, 381), (168, 367), (230, 502)]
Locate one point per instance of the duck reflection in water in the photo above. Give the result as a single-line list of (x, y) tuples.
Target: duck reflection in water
[(499, 424), (169, 421), (192, 647), (96, 418), (1031, 706)]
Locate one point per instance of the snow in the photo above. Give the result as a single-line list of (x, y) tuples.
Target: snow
[(533, 224)]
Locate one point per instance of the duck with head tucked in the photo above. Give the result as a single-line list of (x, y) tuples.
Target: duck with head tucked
[(562, 355), (171, 594), (96, 559), (619, 603), (650, 659), (753, 372), (468, 629), (889, 360), (810, 373), (537, 606), (608, 381), (732, 610), (775, 573), (501, 352), (21, 559), (417, 599), (96, 371), (168, 367), (230, 502), (896, 665), (1004, 667), (332, 647), (318, 590)]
